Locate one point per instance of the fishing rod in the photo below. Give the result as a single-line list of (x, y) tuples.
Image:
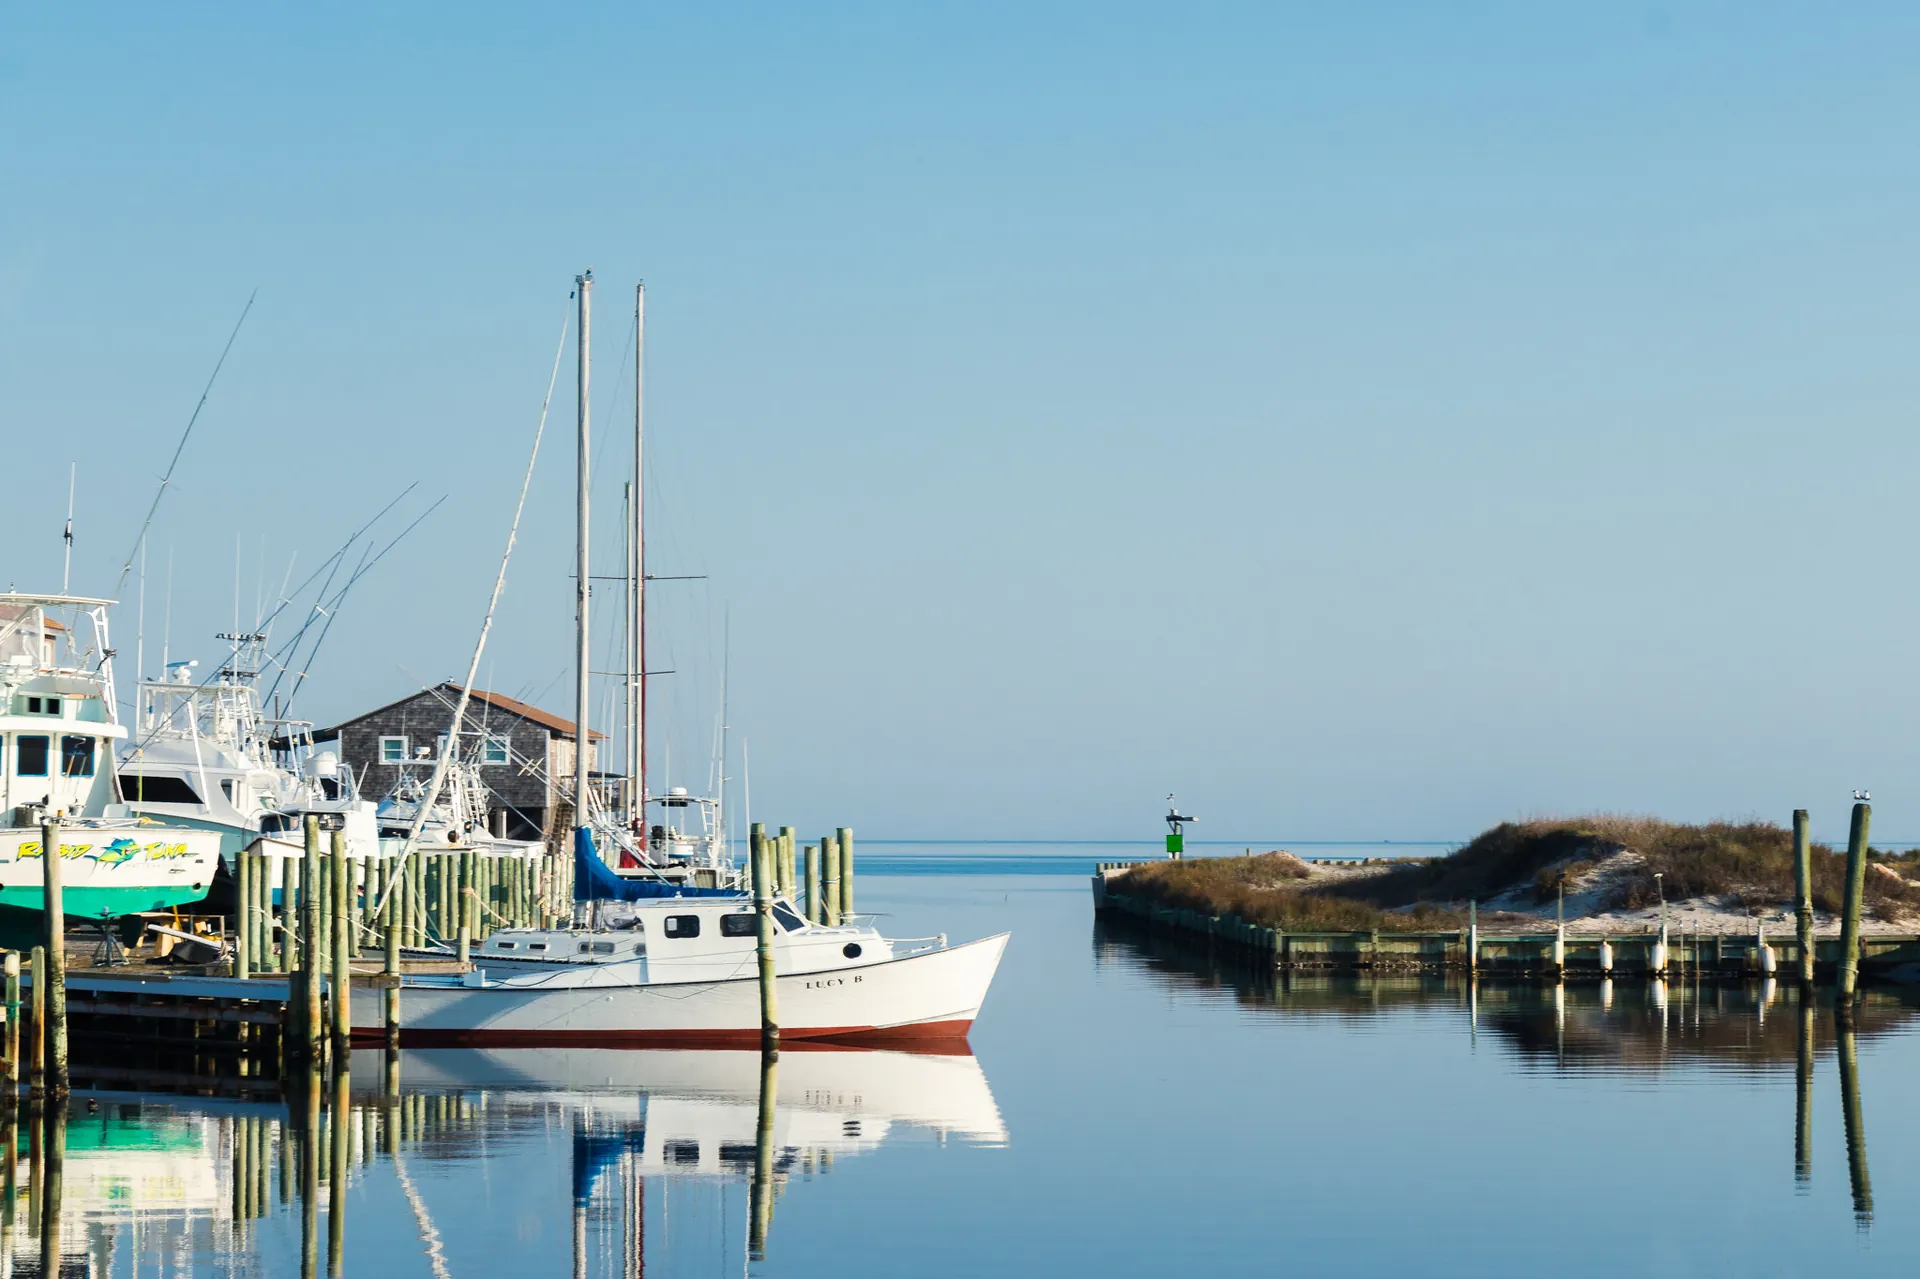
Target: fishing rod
[(334, 604), (180, 448)]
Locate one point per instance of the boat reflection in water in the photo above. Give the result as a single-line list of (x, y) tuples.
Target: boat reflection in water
[(116, 1181)]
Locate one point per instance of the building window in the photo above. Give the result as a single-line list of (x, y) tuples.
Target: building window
[(393, 750), (683, 925), (76, 757), (493, 750), (30, 759)]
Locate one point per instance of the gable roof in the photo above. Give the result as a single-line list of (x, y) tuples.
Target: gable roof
[(499, 701)]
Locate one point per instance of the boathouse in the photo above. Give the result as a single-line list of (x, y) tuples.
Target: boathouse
[(525, 754)]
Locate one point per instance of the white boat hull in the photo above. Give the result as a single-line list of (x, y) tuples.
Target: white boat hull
[(929, 996), (110, 869)]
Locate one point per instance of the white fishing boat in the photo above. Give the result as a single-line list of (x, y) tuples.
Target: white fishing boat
[(58, 731), (206, 755), (684, 974), (655, 961)]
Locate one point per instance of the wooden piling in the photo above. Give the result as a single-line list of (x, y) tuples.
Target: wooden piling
[(463, 939), (1803, 893), (242, 915), (11, 967), (289, 919), (391, 1011), (340, 985), (1856, 889), (783, 864), (54, 917), (1473, 936), (313, 944), (327, 887), (763, 936), (829, 881), (844, 837), (813, 882), (37, 1048)]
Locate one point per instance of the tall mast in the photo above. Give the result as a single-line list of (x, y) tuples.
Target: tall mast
[(583, 289), (637, 567)]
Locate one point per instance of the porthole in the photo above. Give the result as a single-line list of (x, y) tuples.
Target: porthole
[(851, 950)]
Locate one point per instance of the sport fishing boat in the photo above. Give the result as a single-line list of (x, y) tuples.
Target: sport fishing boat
[(206, 755), (58, 730)]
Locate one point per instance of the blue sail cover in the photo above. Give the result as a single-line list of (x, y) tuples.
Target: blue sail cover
[(595, 881), (595, 1152)]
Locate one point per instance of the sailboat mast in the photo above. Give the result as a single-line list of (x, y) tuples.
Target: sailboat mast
[(637, 628), (583, 290)]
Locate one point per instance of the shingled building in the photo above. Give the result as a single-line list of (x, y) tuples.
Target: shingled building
[(525, 754)]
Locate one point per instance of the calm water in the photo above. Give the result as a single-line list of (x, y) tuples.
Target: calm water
[(1129, 1111)]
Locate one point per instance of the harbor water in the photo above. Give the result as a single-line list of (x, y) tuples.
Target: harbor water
[(1131, 1108)]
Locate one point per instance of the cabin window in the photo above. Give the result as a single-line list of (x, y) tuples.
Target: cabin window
[(603, 948), (503, 945), (738, 925), (393, 750), (226, 788), (494, 751), (851, 950), (43, 706), (30, 757), (536, 945), (33, 706), (680, 1152), (788, 920), (683, 925), (139, 788), (76, 756)]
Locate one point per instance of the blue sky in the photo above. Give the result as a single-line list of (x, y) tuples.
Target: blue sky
[(1367, 424)]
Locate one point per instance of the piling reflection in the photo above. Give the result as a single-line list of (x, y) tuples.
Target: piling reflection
[(1803, 1096), (183, 1183), (1855, 1127), (1609, 1026)]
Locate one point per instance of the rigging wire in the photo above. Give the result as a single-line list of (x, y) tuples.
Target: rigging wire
[(452, 740)]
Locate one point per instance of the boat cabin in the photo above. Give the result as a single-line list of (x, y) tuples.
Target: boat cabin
[(57, 728), (686, 939)]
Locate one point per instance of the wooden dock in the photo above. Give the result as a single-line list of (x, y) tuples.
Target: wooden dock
[(1884, 956)]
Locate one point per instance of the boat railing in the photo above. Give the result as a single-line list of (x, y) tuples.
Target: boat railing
[(917, 944)]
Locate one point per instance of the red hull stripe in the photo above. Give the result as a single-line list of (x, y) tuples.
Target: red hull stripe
[(928, 1036)]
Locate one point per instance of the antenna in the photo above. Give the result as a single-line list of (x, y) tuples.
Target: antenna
[(140, 647), (66, 568)]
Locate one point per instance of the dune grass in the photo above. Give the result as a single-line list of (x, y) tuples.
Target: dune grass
[(1264, 889), (1741, 864)]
